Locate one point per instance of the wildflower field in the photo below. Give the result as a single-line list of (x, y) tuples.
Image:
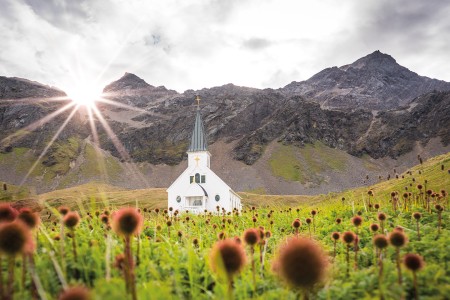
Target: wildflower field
[(387, 241)]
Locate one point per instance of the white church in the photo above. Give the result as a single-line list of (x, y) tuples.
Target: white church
[(198, 188)]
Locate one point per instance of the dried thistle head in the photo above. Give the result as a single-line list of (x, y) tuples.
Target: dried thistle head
[(335, 236), (374, 227), (7, 213), (28, 217), (63, 210), (348, 237), (357, 221), (413, 262), (71, 219), (380, 241), (75, 293), (251, 236), (296, 224), (381, 216), (301, 263), (15, 238), (417, 215), (397, 238), (227, 256), (127, 221)]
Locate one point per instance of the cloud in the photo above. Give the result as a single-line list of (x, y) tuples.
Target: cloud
[(203, 43), (256, 43)]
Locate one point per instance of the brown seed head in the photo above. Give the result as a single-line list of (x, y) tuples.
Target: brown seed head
[(296, 224), (308, 220), (348, 237), (251, 236), (104, 218), (127, 221), (417, 215), (7, 213), (75, 293), (380, 241), (15, 238), (28, 217), (338, 221), (357, 221), (374, 227), (63, 210), (301, 263), (381, 216), (221, 235), (397, 238), (71, 219), (335, 236), (228, 256), (413, 262)]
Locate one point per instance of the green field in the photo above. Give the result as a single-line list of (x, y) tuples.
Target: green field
[(169, 266)]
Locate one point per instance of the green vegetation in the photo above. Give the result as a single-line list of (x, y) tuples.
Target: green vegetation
[(60, 156), (284, 163), (169, 265), (306, 164)]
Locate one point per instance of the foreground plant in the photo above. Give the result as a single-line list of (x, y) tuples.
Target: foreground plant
[(398, 239), (251, 238), (126, 223), (417, 216), (71, 220), (414, 263), (227, 259), (380, 241), (348, 238), (15, 239), (301, 263)]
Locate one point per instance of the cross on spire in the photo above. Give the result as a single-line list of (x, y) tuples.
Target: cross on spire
[(198, 101)]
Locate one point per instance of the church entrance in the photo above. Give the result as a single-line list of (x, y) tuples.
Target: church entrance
[(195, 203)]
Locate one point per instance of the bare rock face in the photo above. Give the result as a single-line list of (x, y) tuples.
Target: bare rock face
[(374, 82)]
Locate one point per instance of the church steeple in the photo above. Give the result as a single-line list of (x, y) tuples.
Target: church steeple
[(198, 139)]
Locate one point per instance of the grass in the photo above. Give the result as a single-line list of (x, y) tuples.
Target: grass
[(171, 267)]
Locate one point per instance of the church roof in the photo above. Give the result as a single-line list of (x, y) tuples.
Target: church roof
[(198, 139)]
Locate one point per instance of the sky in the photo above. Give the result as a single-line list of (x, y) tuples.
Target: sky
[(194, 44)]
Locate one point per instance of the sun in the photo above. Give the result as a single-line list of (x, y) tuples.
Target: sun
[(84, 95)]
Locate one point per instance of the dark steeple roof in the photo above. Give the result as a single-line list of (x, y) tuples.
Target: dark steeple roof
[(198, 139)]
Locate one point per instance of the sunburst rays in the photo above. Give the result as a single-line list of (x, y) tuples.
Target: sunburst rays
[(94, 116)]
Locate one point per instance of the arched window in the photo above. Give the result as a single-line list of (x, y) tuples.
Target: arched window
[(197, 177)]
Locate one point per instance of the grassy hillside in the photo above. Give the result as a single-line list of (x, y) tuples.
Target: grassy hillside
[(306, 164), (96, 193)]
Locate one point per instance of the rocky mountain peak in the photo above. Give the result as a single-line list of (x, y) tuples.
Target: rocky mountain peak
[(128, 81), (374, 82)]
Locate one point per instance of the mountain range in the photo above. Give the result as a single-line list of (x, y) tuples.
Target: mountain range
[(343, 127)]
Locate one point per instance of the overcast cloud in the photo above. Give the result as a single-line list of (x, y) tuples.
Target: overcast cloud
[(197, 44)]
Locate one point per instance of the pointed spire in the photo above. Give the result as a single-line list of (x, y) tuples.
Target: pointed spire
[(198, 139)]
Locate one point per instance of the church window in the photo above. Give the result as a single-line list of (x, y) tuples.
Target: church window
[(178, 199), (217, 198), (198, 203), (203, 178), (191, 179), (197, 177)]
